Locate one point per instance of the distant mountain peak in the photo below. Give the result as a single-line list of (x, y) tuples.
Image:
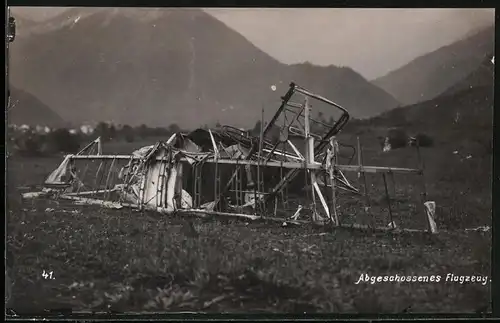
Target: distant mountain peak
[(27, 109)]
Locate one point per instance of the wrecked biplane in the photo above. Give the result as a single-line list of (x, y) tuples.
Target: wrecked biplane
[(288, 173)]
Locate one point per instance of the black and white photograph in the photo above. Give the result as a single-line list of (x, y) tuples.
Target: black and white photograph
[(249, 160)]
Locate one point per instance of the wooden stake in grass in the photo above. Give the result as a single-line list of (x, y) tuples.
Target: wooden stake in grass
[(423, 193), (359, 155), (391, 223), (331, 162), (394, 192), (107, 188), (365, 185)]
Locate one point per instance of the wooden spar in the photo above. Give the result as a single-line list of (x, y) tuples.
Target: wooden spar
[(142, 186), (299, 155), (216, 183), (321, 198), (309, 155), (333, 162), (307, 129), (325, 182), (365, 184), (279, 153), (97, 173), (259, 154), (102, 174), (388, 200), (171, 139), (242, 182), (311, 160), (109, 176), (91, 201), (359, 155), (114, 189), (317, 97), (234, 188), (290, 165), (216, 151), (270, 153), (98, 140), (239, 215), (377, 169), (161, 183)]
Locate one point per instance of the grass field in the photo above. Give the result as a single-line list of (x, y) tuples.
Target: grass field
[(131, 261)]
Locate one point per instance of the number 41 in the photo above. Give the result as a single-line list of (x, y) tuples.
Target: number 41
[(47, 276)]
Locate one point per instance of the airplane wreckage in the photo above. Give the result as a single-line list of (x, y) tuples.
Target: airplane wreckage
[(294, 177)]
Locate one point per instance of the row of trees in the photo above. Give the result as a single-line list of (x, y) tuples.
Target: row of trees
[(35, 144), (128, 133), (31, 143), (62, 140)]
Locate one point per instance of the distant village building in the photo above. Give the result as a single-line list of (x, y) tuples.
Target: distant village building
[(73, 131), (24, 127), (86, 129), (387, 145), (47, 129), (39, 129)]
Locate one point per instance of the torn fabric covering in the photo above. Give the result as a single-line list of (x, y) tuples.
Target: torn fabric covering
[(59, 177), (235, 152), (201, 137), (158, 177), (153, 183), (184, 143), (134, 173), (142, 152)]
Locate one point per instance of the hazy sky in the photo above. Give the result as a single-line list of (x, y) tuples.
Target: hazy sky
[(371, 41)]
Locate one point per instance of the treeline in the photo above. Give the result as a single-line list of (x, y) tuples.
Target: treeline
[(30, 142), (128, 133)]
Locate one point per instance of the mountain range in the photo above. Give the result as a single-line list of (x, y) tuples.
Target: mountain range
[(461, 116), (483, 76), (430, 75), (158, 67), (183, 66)]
